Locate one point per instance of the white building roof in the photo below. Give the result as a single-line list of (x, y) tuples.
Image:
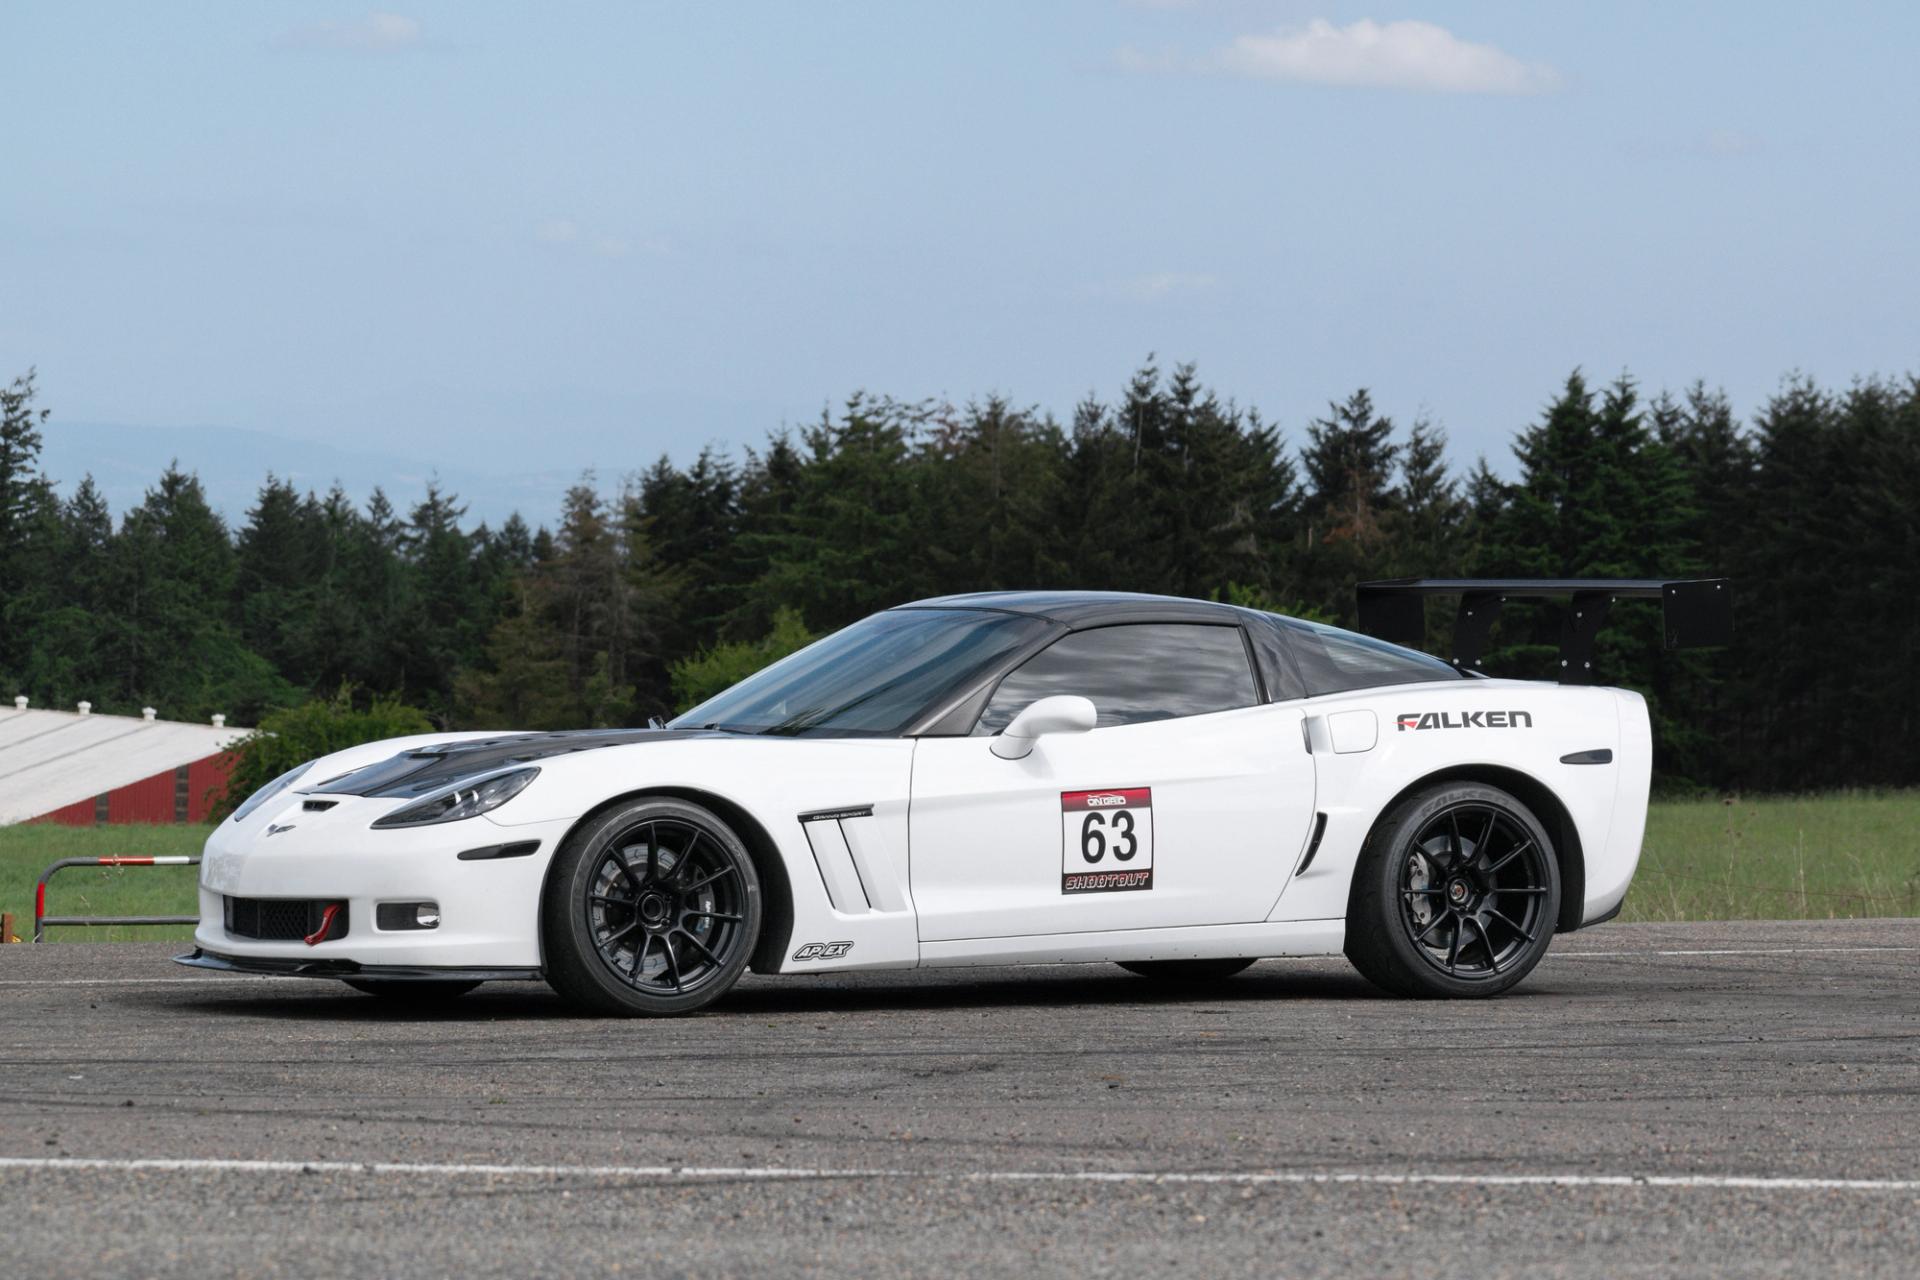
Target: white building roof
[(51, 759)]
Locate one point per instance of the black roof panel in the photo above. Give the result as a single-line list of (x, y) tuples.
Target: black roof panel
[(1088, 608)]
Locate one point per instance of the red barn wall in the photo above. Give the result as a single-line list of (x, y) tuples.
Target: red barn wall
[(207, 785), (78, 814), (154, 799)]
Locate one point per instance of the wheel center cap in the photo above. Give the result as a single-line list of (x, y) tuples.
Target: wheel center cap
[(653, 908), (1457, 892)]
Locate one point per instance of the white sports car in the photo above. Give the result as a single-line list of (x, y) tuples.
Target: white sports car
[(1015, 778)]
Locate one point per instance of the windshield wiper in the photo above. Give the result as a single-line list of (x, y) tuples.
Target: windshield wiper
[(800, 721)]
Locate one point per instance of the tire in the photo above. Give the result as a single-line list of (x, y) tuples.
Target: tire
[(423, 990), (1455, 895), (1185, 970), (652, 909)]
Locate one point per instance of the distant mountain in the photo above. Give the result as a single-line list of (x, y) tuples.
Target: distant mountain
[(232, 463)]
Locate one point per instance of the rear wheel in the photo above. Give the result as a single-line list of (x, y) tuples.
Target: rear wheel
[(1185, 970), (652, 909), (423, 991), (1456, 894)]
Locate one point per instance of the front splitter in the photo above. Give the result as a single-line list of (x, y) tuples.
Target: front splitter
[(200, 958)]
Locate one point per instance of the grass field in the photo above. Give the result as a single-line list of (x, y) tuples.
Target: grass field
[(100, 891), (1777, 858), (1839, 855)]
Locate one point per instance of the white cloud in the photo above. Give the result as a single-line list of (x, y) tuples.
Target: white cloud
[(1158, 285), (1730, 142), (1409, 55), (566, 232), (375, 33)]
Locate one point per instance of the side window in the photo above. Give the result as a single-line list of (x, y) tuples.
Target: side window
[(1275, 656), (1334, 661), (1133, 673)]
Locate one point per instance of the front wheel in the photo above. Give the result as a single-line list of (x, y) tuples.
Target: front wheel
[(1455, 895), (652, 908)]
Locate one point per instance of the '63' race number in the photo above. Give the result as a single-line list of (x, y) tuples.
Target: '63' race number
[(1106, 840)]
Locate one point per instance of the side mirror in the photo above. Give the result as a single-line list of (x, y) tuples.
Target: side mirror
[(1063, 713)]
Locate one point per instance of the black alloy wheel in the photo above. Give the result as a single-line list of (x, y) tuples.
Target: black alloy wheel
[(653, 908), (1457, 894)]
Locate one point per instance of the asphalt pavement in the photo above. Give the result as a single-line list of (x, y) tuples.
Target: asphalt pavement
[(1715, 1099)]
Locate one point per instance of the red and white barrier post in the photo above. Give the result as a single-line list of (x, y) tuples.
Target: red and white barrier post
[(41, 919)]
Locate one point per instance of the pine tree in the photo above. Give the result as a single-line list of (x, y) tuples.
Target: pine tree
[(26, 505), (850, 546), (690, 519), (445, 606), (768, 492), (1428, 516), (170, 644), (1349, 466), (989, 499), (277, 570)]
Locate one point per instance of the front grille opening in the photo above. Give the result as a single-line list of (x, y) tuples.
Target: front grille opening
[(283, 919)]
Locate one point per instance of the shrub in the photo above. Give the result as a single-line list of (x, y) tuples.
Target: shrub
[(712, 670)]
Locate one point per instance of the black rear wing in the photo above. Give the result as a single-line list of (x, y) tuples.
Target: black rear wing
[(1698, 612)]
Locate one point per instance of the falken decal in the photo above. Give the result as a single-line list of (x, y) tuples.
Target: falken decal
[(1106, 840), (1464, 720)]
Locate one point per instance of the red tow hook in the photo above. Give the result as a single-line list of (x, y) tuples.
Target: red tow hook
[(327, 918)]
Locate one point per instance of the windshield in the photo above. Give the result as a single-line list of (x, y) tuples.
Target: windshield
[(874, 678)]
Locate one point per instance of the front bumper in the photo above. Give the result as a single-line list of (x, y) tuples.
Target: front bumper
[(199, 958), (489, 907)]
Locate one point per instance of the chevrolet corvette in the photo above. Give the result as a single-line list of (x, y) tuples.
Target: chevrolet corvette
[(1181, 787)]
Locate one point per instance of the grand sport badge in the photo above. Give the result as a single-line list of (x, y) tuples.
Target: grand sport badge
[(1106, 840)]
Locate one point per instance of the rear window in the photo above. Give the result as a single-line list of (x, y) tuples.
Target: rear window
[(1335, 661)]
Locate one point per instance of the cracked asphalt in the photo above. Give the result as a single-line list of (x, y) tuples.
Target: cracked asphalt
[(870, 1124)]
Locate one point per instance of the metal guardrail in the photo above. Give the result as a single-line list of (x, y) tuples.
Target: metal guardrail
[(41, 919)]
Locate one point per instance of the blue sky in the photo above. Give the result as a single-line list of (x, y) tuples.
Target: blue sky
[(531, 239)]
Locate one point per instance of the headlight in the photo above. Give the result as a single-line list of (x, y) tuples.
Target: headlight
[(271, 790), (467, 800)]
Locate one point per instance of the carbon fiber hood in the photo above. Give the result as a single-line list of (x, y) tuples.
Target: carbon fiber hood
[(428, 769)]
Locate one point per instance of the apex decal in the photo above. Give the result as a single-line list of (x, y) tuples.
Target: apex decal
[(1465, 720)]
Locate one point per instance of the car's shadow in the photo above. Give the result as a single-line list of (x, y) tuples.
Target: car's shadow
[(789, 995)]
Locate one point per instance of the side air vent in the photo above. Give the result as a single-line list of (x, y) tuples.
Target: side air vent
[(854, 869), (1313, 845)]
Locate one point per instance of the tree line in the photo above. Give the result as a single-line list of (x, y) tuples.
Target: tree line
[(639, 599)]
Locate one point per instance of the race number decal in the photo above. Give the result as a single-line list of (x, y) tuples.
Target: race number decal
[(1107, 840)]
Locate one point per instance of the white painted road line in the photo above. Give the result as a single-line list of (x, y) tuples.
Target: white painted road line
[(680, 1173), (124, 982), (1724, 951)]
